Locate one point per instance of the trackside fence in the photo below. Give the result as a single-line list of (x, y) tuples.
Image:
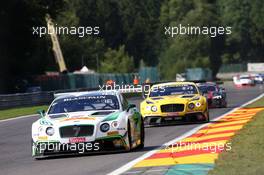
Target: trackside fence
[(25, 99)]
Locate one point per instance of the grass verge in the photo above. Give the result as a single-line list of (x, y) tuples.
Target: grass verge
[(16, 112), (246, 156)]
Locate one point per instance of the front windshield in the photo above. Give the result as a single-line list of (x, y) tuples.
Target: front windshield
[(84, 103), (203, 89), (211, 88), (244, 78), (173, 90)]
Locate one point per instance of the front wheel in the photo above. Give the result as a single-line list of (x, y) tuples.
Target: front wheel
[(207, 115), (129, 138), (35, 152), (224, 104), (142, 135)]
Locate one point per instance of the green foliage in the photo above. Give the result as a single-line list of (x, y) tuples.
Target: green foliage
[(186, 51), (140, 21), (23, 54), (117, 61), (78, 51), (246, 17), (136, 26)]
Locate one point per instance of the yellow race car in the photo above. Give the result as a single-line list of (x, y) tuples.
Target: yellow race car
[(173, 102)]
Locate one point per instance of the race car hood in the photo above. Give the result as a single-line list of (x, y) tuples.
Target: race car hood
[(173, 99), (87, 117)]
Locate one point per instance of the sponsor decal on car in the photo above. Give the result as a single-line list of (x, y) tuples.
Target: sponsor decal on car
[(173, 114), (42, 137), (112, 133), (121, 129), (77, 139), (44, 122), (78, 118)]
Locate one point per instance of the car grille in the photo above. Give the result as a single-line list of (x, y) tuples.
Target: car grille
[(76, 131), (172, 108)]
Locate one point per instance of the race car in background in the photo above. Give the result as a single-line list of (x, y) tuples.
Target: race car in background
[(82, 122), (243, 80), (216, 95), (258, 78), (173, 102)]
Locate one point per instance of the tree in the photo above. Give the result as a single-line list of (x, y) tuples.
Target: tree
[(141, 26), (78, 51), (186, 51), (20, 49), (246, 19), (117, 61)]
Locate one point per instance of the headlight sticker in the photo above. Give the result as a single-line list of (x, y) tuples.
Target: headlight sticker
[(148, 108), (198, 104)]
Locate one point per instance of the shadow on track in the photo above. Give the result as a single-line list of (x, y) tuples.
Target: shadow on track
[(63, 156)]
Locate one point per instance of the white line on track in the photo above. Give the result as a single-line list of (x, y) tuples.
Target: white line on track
[(148, 171), (16, 118), (130, 164)]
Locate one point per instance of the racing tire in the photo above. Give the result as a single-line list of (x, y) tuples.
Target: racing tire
[(36, 157), (146, 121), (142, 135), (224, 105), (207, 118), (129, 136)]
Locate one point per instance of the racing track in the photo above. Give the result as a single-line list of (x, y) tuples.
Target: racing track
[(15, 137)]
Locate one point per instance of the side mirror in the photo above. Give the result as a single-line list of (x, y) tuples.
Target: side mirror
[(130, 106), (41, 112)]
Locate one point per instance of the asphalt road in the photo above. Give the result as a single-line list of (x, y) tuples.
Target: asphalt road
[(15, 148)]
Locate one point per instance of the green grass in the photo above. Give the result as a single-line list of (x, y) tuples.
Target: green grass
[(16, 112), (247, 154), (259, 103)]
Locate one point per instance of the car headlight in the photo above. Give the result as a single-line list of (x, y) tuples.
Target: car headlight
[(50, 131), (154, 108), (198, 104), (40, 129), (104, 127), (114, 124), (191, 105)]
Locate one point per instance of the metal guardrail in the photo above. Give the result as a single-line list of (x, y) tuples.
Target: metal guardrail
[(25, 99), (41, 98), (45, 98)]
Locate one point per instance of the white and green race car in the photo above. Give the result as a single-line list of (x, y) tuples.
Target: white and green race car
[(84, 122)]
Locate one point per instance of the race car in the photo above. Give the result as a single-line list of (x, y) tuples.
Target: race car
[(174, 102), (216, 96), (258, 78), (243, 80), (85, 122)]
